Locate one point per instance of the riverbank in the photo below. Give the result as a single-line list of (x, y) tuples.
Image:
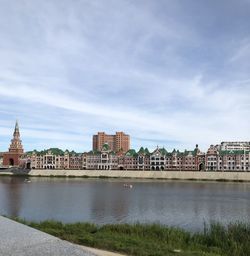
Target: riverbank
[(153, 239), (171, 175), (174, 175)]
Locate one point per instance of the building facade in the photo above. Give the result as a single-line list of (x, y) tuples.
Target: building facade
[(1, 159), (159, 160), (49, 159), (193, 160), (227, 160), (234, 145), (120, 142)]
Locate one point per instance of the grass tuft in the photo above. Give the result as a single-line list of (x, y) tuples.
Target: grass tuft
[(153, 239)]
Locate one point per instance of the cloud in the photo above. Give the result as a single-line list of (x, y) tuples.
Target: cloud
[(68, 70), (242, 51)]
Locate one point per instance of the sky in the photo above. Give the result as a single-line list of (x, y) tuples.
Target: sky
[(170, 73)]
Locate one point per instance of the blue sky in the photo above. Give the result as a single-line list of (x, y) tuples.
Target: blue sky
[(169, 73)]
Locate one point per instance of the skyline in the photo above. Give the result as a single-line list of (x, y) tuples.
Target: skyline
[(224, 145), (169, 73)]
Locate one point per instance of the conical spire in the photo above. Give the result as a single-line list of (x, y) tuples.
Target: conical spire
[(16, 133), (16, 126), (16, 143)]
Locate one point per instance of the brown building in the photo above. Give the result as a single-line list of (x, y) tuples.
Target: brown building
[(120, 142), (12, 158)]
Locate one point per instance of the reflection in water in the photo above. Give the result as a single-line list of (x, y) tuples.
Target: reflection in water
[(110, 202), (12, 195), (175, 203)]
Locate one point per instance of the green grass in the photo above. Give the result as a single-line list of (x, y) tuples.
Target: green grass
[(153, 239)]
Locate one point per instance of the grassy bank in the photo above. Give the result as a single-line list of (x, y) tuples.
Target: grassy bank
[(154, 239)]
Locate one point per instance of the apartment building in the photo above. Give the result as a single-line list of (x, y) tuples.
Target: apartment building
[(119, 142)]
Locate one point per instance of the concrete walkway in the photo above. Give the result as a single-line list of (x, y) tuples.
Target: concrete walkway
[(19, 240)]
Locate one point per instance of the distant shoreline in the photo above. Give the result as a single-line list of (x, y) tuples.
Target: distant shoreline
[(161, 175)]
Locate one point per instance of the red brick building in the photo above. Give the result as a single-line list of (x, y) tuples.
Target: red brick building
[(12, 158), (120, 142)]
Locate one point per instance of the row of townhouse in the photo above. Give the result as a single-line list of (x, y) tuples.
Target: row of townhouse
[(227, 160), (160, 159), (51, 159), (105, 159)]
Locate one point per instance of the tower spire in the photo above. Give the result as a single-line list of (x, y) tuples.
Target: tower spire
[(16, 133), (17, 126), (16, 143), (12, 158)]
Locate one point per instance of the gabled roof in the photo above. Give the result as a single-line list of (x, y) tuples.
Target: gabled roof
[(163, 151), (233, 152), (94, 152), (73, 153), (131, 152), (141, 151), (156, 151), (53, 151), (147, 151), (189, 152), (105, 147), (160, 151)]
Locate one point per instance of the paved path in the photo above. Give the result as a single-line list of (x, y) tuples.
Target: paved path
[(19, 240)]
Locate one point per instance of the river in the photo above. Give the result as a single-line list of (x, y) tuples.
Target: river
[(185, 204)]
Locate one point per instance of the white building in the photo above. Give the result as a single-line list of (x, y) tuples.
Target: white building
[(235, 145), (1, 159)]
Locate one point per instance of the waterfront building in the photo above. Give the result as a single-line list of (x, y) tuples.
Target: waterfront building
[(234, 145), (193, 160), (157, 159), (91, 160), (120, 142), (105, 159), (54, 159), (212, 158), (129, 160), (1, 159), (75, 161), (13, 156), (143, 159), (227, 160)]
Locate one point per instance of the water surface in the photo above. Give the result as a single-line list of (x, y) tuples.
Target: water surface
[(176, 203)]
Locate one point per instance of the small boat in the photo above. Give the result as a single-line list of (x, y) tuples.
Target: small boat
[(27, 180), (127, 185)]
